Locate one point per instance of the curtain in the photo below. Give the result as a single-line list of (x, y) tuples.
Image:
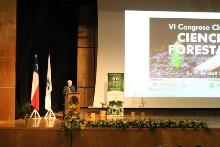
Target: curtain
[(45, 27)]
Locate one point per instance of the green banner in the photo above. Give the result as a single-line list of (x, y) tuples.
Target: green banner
[(115, 81)]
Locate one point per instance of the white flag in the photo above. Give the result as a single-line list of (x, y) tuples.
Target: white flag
[(48, 87)]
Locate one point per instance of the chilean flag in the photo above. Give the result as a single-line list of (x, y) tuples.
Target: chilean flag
[(35, 87)]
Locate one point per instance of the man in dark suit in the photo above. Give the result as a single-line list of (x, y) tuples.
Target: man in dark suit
[(69, 88)]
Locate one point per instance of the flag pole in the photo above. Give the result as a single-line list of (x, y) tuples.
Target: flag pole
[(35, 91), (49, 113)]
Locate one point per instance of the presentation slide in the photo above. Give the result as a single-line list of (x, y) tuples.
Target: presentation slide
[(172, 54)]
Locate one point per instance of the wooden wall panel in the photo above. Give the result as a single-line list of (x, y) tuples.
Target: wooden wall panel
[(86, 96), (116, 138), (162, 137), (87, 52), (7, 104), (86, 74), (86, 36), (109, 137), (190, 137), (7, 59), (82, 96), (18, 137), (85, 66)]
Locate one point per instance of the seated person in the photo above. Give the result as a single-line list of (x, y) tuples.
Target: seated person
[(69, 88)]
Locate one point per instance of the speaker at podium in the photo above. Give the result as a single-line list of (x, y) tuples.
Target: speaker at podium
[(73, 98)]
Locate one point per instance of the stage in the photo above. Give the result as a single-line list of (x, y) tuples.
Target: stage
[(45, 133)]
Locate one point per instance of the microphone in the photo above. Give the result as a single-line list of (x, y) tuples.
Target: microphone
[(70, 88)]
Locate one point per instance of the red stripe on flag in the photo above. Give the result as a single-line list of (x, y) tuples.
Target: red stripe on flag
[(35, 99)]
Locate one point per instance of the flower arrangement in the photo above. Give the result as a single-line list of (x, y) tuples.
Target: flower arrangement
[(115, 108), (71, 120), (26, 110), (127, 123)]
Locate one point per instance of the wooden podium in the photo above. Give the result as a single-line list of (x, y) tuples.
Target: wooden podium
[(73, 98)]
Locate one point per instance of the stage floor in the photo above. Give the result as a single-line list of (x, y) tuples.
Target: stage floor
[(33, 123), (30, 123)]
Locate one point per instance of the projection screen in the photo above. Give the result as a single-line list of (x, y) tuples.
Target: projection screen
[(168, 53)]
